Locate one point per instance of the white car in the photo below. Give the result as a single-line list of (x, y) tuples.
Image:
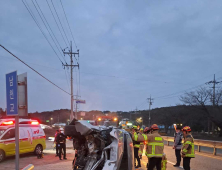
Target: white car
[(45, 126), (100, 147), (58, 125)]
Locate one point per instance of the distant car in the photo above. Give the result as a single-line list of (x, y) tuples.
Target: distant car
[(59, 125), (100, 147), (31, 137), (45, 126)]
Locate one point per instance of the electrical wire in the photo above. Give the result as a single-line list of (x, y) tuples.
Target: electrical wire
[(179, 91), (59, 20), (57, 23), (36, 21), (68, 24), (46, 26), (34, 69)]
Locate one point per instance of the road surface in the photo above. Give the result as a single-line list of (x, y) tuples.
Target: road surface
[(201, 162)]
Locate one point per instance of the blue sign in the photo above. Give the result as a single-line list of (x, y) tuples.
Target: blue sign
[(12, 94), (81, 101)]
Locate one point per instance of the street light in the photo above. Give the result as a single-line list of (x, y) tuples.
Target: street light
[(51, 120), (141, 121)]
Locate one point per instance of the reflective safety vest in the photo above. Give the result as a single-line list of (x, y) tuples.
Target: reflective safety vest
[(188, 147), (145, 138), (135, 139), (155, 145), (164, 162)]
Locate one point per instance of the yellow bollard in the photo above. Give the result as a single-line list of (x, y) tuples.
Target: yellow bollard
[(29, 167)]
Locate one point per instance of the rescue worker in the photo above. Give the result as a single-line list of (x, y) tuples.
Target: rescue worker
[(56, 145), (147, 130), (154, 150), (136, 145), (142, 143), (178, 144), (61, 141), (188, 147)]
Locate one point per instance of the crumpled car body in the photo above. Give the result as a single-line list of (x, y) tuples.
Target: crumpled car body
[(100, 147)]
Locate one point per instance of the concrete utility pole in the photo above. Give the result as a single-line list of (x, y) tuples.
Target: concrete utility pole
[(150, 103), (214, 82), (71, 54)]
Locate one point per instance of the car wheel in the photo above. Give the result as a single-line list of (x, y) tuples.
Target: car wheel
[(2, 155), (38, 149)]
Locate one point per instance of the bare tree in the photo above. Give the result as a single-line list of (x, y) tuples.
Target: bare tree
[(202, 99)]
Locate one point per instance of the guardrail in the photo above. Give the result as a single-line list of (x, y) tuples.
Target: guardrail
[(29, 167), (198, 142)]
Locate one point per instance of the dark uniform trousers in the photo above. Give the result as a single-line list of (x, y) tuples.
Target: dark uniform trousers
[(178, 156), (62, 146), (186, 163), (57, 150), (154, 162), (136, 155)]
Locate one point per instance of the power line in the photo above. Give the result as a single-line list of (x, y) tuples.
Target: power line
[(48, 24), (59, 20), (68, 24), (36, 21), (52, 32), (179, 91), (57, 23), (34, 70), (105, 76), (45, 24)]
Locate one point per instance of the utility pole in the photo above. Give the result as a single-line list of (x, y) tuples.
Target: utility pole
[(71, 54), (150, 100), (214, 82)]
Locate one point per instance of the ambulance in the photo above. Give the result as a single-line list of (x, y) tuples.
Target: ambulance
[(31, 137)]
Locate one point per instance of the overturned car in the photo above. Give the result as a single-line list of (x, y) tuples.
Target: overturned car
[(100, 147)]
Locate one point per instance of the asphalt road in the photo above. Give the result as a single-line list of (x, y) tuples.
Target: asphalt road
[(201, 162)]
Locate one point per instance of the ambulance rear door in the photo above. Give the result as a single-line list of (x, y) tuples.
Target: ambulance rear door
[(26, 138), (38, 136)]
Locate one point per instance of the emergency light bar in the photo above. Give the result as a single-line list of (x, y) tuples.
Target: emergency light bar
[(35, 123), (7, 123), (11, 122)]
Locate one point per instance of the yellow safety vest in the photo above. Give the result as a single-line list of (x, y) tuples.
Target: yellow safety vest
[(188, 152), (164, 162), (136, 145), (145, 139), (155, 145)]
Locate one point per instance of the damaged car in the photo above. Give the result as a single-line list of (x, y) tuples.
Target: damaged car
[(100, 147)]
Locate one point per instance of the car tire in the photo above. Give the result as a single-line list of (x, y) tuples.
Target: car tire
[(37, 149), (2, 155)]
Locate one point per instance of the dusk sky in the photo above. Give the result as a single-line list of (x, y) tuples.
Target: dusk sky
[(129, 50)]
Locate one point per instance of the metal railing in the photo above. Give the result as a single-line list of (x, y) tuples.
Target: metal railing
[(198, 142)]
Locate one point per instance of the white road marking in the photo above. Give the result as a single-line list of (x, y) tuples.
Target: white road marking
[(174, 164)]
